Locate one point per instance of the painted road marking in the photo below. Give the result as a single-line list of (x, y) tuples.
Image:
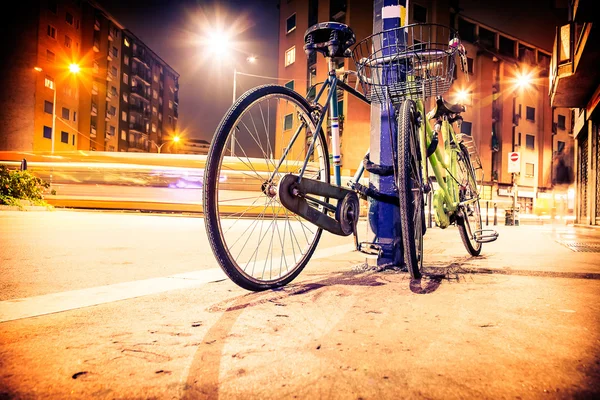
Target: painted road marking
[(64, 301)]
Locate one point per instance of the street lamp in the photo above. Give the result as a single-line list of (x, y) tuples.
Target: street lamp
[(175, 139), (522, 81), (74, 69)]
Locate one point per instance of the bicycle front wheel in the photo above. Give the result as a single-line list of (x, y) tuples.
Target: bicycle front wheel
[(469, 219), (410, 189), (257, 242)]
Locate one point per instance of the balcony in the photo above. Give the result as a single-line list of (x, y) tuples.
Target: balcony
[(109, 96), (141, 76), (109, 76), (137, 145), (111, 35), (97, 25), (109, 57), (94, 111), (92, 131), (140, 92), (140, 109), (96, 46), (574, 72), (137, 127)]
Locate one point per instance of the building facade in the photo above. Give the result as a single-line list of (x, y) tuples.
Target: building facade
[(575, 83), (123, 97), (501, 117)]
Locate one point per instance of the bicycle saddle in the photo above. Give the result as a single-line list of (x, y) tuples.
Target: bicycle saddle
[(330, 38), (442, 107)]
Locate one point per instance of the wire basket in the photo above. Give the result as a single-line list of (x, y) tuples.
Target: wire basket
[(409, 62)]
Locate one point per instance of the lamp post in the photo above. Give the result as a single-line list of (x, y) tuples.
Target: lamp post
[(159, 147), (251, 60), (74, 69)]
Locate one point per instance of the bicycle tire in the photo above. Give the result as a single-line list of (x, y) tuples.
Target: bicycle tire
[(410, 189), (222, 212), (471, 214)]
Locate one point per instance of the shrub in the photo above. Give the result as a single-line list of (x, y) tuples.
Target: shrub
[(21, 185)]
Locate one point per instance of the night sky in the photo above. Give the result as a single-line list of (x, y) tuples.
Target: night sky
[(168, 28)]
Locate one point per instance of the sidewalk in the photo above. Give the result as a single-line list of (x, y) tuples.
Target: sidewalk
[(520, 321)]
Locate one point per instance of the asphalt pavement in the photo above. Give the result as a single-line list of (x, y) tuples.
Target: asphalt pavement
[(133, 306)]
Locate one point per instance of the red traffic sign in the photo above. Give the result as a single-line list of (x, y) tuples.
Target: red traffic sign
[(514, 162), (514, 156)]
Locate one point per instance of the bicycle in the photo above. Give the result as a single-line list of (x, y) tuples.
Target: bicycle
[(288, 192)]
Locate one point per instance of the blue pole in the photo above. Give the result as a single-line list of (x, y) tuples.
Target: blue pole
[(384, 218)]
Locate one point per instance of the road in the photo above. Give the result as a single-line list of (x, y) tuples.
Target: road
[(132, 306)]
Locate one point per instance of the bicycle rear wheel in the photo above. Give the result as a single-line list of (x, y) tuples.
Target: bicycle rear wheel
[(469, 218), (257, 242), (410, 188)]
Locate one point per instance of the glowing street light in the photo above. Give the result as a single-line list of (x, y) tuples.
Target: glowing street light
[(174, 139), (74, 69)]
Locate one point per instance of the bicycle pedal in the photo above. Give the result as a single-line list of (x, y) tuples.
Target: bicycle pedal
[(485, 235), (372, 249)]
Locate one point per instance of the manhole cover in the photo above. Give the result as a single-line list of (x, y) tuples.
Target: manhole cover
[(581, 247)]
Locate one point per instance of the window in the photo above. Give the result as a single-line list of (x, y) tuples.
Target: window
[(50, 56), (154, 94), (470, 65), (52, 31), (290, 85), (111, 148), (115, 52), (529, 170), (112, 110), (337, 10), (123, 116), (125, 78), (126, 59), (64, 137), (487, 38), (506, 46), (126, 43), (74, 116), (290, 56), (113, 91), (73, 140), (313, 12), (68, 42), (123, 135), (66, 113), (170, 105), (465, 127), (291, 23), (96, 67), (112, 130), (47, 132), (561, 122), (154, 110), (49, 82), (155, 77), (288, 122), (48, 106), (530, 113), (125, 97), (170, 120), (69, 19), (530, 141), (115, 71), (466, 30), (153, 127), (419, 14)]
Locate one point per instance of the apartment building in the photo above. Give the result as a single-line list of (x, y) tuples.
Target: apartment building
[(501, 117), (575, 83), (82, 81)]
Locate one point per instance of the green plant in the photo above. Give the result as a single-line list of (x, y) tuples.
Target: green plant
[(21, 185)]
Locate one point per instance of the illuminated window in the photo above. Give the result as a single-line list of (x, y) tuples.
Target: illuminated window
[(125, 97), (170, 105), (52, 31), (126, 59), (123, 116), (125, 78), (126, 43), (155, 94), (288, 122), (290, 56), (529, 170), (123, 135), (49, 82)]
